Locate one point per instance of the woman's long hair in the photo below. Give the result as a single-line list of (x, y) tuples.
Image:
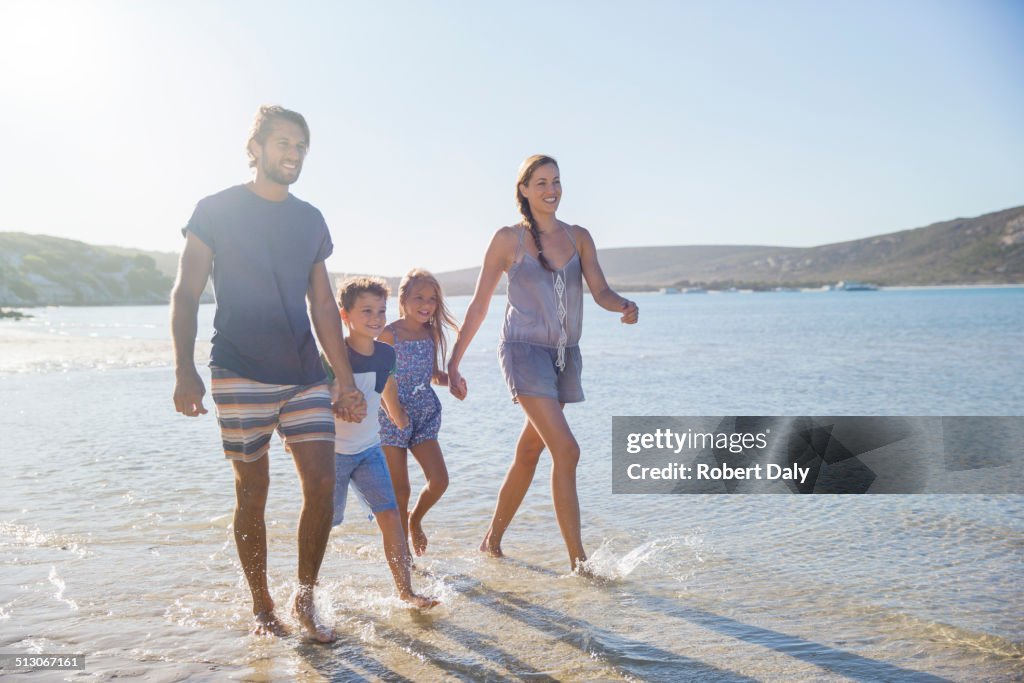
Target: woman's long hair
[(525, 173), (442, 317)]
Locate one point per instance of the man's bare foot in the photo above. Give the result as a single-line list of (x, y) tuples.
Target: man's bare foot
[(304, 612), (418, 537), (420, 601), (266, 623), (491, 547)]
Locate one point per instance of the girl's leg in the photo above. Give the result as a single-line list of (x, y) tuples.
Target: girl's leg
[(398, 467), (513, 489), (396, 552), (548, 419), (428, 455)]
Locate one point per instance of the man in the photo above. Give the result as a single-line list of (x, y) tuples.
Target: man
[(267, 249)]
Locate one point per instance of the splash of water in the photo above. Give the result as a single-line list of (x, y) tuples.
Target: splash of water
[(59, 584)]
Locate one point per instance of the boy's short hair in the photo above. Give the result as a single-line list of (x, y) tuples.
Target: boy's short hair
[(352, 287)]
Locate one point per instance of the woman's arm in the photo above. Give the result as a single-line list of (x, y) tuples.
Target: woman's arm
[(605, 297), (497, 260)]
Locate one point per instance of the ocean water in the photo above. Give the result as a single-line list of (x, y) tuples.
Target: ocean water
[(115, 512)]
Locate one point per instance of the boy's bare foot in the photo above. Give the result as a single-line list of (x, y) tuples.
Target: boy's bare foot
[(418, 538), (266, 623), (305, 613), (583, 569), (420, 601), (491, 547)]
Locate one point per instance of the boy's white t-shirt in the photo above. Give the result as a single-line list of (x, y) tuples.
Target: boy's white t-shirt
[(370, 374)]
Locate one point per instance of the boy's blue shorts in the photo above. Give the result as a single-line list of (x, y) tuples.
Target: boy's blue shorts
[(368, 473)]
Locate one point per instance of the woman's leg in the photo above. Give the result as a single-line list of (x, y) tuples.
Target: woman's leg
[(428, 455), (548, 420), (513, 489)]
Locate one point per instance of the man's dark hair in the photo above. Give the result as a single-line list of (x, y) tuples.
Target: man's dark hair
[(264, 122)]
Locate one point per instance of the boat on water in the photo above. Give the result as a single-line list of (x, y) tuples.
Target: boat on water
[(668, 290), (854, 286)]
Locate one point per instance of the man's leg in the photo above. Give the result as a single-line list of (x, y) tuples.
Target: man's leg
[(314, 462), (252, 480)]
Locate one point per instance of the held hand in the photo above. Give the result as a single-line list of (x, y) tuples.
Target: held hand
[(441, 378), (348, 402), (456, 383), (630, 312), (188, 393)]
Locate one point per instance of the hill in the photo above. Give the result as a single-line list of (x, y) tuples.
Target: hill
[(989, 249), (41, 270)]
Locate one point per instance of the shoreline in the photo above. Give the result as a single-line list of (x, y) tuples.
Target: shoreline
[(6, 311)]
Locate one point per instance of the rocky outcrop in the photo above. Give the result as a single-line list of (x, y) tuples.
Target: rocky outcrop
[(37, 270)]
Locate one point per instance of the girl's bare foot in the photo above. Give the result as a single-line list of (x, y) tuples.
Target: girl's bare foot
[(420, 601), (418, 537), (266, 623), (490, 546), (305, 613)]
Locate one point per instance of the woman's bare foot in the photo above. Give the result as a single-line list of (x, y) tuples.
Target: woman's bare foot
[(266, 623), (491, 546), (420, 601), (305, 613), (418, 537)]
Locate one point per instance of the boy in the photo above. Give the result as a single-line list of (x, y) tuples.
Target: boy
[(358, 455)]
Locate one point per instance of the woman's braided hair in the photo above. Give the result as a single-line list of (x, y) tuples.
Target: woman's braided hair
[(525, 173)]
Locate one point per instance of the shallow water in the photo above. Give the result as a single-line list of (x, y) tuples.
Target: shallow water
[(115, 512)]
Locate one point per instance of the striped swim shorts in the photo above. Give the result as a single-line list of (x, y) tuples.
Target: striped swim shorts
[(248, 413)]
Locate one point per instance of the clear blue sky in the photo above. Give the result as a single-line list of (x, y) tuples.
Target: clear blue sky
[(788, 123)]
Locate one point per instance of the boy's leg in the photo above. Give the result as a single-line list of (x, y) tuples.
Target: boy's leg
[(397, 553), (398, 467), (372, 483), (513, 488), (343, 466), (428, 455), (314, 462), (252, 481)]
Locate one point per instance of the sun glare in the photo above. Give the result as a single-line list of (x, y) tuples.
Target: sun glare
[(50, 50)]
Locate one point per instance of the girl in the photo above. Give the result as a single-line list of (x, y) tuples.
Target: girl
[(546, 261), (421, 347)]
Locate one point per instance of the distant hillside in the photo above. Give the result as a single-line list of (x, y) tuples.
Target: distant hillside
[(40, 270), (988, 249)]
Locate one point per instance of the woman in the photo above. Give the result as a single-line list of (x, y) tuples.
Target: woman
[(546, 261)]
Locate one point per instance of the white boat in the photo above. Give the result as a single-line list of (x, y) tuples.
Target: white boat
[(854, 286)]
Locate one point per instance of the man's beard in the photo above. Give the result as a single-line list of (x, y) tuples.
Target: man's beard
[(280, 176)]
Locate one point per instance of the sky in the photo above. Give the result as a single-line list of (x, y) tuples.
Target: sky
[(778, 123)]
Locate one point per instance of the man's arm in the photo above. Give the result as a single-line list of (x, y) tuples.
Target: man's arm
[(193, 272), (349, 402)]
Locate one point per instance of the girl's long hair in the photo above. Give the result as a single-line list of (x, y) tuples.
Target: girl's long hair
[(526, 170), (442, 317)]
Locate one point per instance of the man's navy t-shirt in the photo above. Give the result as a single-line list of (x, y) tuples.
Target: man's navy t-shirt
[(263, 252)]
